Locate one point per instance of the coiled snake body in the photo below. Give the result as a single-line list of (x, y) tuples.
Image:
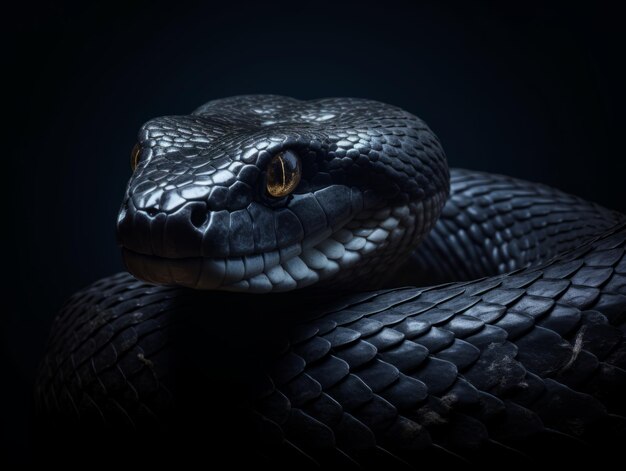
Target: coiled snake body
[(321, 205)]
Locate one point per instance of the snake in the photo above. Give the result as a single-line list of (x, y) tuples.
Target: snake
[(309, 284)]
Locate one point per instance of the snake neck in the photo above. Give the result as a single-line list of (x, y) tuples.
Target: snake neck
[(375, 242)]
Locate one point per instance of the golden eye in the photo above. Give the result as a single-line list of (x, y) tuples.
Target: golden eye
[(283, 174), (134, 156)]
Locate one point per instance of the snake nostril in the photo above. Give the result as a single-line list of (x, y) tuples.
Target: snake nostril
[(151, 212), (199, 215)]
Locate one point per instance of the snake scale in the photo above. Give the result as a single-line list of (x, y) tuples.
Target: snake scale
[(499, 336)]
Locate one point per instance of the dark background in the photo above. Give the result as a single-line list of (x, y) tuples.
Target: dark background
[(525, 89)]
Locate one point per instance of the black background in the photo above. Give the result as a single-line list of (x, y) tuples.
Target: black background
[(525, 89)]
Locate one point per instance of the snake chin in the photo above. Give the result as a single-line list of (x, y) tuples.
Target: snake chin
[(366, 245)]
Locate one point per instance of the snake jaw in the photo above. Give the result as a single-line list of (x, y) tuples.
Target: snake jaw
[(196, 212), (366, 245), (359, 250)]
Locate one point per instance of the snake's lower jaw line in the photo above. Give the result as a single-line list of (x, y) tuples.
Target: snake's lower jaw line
[(363, 244), (277, 271), (161, 271)]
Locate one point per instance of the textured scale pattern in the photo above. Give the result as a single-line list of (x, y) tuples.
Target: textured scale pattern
[(493, 224), (511, 365), (462, 368), (520, 356)]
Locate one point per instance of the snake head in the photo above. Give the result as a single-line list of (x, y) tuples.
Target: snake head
[(265, 193)]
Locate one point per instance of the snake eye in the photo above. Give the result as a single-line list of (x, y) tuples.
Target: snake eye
[(283, 174), (134, 156)]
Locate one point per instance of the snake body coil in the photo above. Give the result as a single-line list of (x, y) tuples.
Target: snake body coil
[(321, 205)]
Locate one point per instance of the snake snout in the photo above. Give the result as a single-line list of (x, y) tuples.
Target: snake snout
[(151, 231)]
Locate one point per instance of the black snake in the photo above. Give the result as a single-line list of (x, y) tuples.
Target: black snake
[(320, 205)]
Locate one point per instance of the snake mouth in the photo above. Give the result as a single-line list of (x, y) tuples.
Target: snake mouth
[(298, 265)]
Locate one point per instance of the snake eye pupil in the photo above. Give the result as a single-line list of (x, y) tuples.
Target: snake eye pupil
[(134, 156), (283, 174)]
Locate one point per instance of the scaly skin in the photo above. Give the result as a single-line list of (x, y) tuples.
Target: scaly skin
[(523, 362)]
